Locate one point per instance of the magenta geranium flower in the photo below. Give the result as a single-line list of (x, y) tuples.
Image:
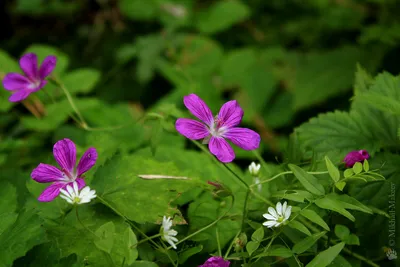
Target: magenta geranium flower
[(64, 152), (216, 130), (33, 80), (216, 262), (355, 156)]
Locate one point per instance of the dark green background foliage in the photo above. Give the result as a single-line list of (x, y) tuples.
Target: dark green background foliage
[(314, 78)]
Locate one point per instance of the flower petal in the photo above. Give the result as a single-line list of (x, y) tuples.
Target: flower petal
[(45, 173), (51, 192), (65, 154), (198, 108), (87, 161), (230, 114), (81, 183), (288, 212), (221, 149), (243, 138), (272, 211), (48, 65), (269, 216), (269, 224), (279, 208), (28, 64), (191, 129), (15, 81), (19, 95)]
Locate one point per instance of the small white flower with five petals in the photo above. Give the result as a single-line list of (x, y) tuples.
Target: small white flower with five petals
[(73, 196), (278, 216), (254, 169), (168, 234)]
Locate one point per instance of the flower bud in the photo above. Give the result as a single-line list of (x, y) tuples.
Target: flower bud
[(220, 190), (240, 242), (254, 169), (355, 156)]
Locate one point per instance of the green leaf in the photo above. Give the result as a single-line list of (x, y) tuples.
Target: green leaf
[(352, 240), (143, 264), (349, 202), (22, 235), (81, 80), (332, 169), (185, 255), (325, 257), (8, 206), (258, 235), (299, 226), (315, 218), (340, 261), (366, 166), (342, 232), (348, 173), (7, 64), (295, 195), (105, 234), (357, 168), (340, 185), (252, 246), (331, 204), (138, 9), (276, 251), (309, 182), (42, 51), (235, 64), (307, 243), (221, 16)]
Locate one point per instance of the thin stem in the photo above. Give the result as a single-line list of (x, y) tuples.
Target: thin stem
[(283, 173), (244, 209), (218, 242), (231, 245), (169, 257), (145, 240), (79, 220)]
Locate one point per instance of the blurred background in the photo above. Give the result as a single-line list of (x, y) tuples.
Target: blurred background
[(285, 61)]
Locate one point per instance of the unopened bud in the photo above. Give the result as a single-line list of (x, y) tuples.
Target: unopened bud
[(254, 169), (220, 190), (240, 242)]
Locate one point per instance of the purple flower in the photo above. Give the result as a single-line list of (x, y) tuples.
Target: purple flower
[(216, 130), (33, 80), (355, 156), (216, 262), (64, 152)]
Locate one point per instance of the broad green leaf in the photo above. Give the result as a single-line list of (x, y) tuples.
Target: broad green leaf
[(340, 261), (366, 166), (342, 232), (315, 218), (299, 226), (349, 202), (307, 180), (295, 195), (332, 169), (8, 206), (236, 63), (252, 246), (105, 237), (258, 235), (348, 173), (352, 240), (340, 185), (335, 205), (143, 264), (307, 243), (138, 9), (221, 16), (81, 80), (7, 64), (276, 251), (357, 168), (22, 235), (42, 51), (185, 255), (325, 257)]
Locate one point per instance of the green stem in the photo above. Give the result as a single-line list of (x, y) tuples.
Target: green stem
[(283, 173), (145, 240), (218, 242), (79, 220), (169, 257), (231, 245)]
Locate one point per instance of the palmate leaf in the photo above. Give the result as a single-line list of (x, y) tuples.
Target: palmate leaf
[(117, 182)]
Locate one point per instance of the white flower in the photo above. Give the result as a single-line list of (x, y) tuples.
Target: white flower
[(254, 169), (391, 254), (73, 196), (278, 216), (167, 233)]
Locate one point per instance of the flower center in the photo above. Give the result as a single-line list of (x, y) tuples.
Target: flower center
[(216, 128), (76, 200), (281, 219), (34, 84), (69, 177)]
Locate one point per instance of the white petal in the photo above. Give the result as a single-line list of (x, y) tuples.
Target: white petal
[(63, 192), (75, 185), (272, 211), (269, 224), (277, 224), (171, 243), (172, 232), (284, 208), (279, 208), (269, 217), (257, 167), (71, 191), (85, 191), (288, 212)]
